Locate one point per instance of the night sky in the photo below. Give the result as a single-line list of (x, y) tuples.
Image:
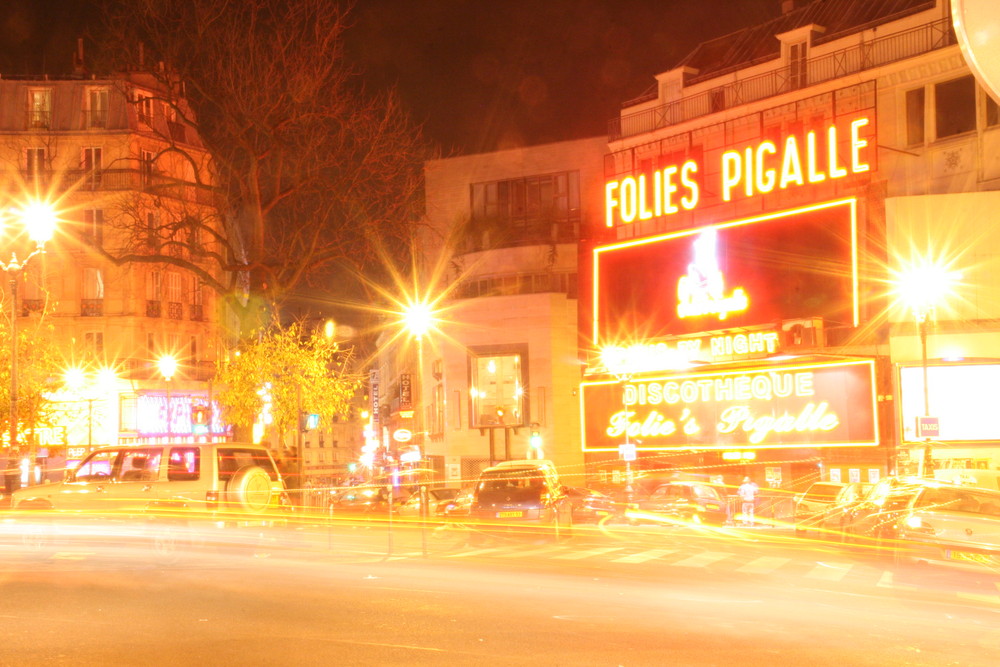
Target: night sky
[(478, 75)]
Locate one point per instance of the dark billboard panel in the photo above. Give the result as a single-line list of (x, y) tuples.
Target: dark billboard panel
[(793, 264), (811, 405)]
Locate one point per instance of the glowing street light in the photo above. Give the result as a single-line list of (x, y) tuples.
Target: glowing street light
[(923, 287), (38, 220), (167, 365)]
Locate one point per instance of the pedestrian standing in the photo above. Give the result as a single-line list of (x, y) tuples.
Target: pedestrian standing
[(748, 495)]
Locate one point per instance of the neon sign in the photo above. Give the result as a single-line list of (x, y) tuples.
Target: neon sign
[(794, 264), (819, 405), (700, 290), (755, 170)]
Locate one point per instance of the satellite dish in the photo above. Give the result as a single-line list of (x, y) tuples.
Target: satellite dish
[(977, 25)]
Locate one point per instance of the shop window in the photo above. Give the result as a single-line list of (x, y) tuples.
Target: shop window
[(915, 117), (497, 389), (955, 107)]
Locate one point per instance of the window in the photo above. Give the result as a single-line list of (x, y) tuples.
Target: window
[(915, 117), (174, 286), (152, 231), (797, 66), (97, 108), (34, 168), (39, 107), (197, 292), (955, 107), (992, 111), (530, 210), (150, 345), (146, 168), (193, 348), (93, 343), (154, 286), (184, 464), (93, 225), (93, 284), (144, 108), (96, 467), (91, 162), (497, 390)]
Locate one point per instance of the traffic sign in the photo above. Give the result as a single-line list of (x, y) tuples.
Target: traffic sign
[(928, 427)]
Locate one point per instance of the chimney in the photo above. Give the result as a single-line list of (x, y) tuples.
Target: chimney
[(78, 66), (789, 6)]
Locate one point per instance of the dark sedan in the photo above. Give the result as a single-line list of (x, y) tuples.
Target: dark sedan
[(688, 502), (590, 506)]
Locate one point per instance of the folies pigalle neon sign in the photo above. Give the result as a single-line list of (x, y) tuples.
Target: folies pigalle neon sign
[(756, 169)]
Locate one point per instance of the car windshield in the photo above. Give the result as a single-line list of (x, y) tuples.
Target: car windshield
[(823, 491), (517, 484)]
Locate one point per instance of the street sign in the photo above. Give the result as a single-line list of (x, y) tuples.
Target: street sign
[(402, 435), (928, 427), (626, 452)]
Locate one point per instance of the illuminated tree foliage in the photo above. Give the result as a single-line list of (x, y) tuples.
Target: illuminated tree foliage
[(39, 370), (291, 369), (318, 177)]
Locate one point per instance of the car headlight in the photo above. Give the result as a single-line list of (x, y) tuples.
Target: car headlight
[(913, 522)]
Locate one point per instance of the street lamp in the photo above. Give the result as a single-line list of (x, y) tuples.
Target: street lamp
[(922, 287), (167, 364), (419, 318), (39, 223)]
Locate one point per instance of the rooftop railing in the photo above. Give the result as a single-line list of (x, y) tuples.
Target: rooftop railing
[(867, 55)]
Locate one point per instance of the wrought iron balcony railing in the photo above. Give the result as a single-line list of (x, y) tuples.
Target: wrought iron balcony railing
[(92, 307), (875, 53)]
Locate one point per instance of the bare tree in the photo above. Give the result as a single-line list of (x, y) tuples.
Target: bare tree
[(317, 175)]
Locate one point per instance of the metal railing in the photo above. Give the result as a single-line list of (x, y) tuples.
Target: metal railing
[(127, 179), (854, 59), (92, 307)]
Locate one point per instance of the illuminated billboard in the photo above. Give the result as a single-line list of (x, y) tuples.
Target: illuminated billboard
[(962, 396), (809, 405), (794, 264)]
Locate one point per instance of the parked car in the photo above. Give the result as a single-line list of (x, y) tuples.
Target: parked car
[(521, 494), (873, 518), (368, 499), (590, 506), (687, 501), (438, 500), (953, 525), (459, 506), (825, 505), (227, 481)]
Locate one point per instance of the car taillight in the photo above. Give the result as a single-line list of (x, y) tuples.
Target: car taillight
[(212, 498)]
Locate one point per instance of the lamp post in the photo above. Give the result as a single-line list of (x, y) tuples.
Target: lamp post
[(167, 364), (39, 223), (418, 319), (921, 288), (616, 361)]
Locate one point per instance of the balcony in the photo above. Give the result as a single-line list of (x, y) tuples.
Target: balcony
[(39, 119), (92, 307), (138, 180), (871, 54), (95, 119), (175, 310), (154, 308), (29, 306)]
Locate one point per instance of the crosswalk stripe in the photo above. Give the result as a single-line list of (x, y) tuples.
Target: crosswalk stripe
[(763, 565), (474, 552), (830, 571), (528, 553), (885, 581), (979, 597), (644, 556), (703, 559), (72, 555), (580, 555)]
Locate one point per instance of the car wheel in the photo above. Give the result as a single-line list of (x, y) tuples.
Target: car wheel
[(250, 489)]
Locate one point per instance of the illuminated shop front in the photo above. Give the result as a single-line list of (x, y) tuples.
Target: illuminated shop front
[(727, 295)]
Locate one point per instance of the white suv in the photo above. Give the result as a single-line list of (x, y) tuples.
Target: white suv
[(209, 479)]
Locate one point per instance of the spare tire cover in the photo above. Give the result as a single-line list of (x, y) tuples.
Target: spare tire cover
[(250, 489)]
